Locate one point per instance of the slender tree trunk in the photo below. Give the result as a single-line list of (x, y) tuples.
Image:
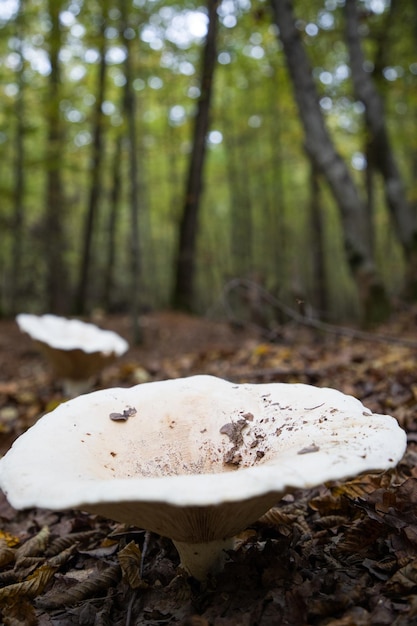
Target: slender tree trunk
[(404, 217), (19, 176), (134, 185), (321, 150), (318, 244), (185, 264), (370, 195), (96, 176), (278, 201), (57, 296), (241, 243), (112, 225)]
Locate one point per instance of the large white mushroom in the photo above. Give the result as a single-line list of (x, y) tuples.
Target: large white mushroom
[(76, 350), (195, 459)]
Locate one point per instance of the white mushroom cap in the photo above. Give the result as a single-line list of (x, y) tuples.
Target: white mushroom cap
[(195, 459), (71, 334), (76, 350)]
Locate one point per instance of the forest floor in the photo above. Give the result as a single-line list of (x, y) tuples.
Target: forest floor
[(344, 554)]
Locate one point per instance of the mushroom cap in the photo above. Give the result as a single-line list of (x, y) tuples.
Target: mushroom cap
[(75, 349), (195, 459), (71, 334)]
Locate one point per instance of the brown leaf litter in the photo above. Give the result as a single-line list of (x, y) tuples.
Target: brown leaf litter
[(337, 555)]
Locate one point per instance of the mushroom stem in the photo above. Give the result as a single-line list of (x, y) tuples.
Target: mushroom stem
[(201, 559), (72, 388)]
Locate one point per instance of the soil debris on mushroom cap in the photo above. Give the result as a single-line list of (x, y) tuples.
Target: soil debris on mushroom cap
[(124, 416), (234, 431)]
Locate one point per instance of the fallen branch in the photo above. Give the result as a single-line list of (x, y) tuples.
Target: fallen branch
[(343, 331)]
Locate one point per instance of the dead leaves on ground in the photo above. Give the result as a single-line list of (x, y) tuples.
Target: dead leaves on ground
[(358, 558), (45, 574), (338, 555)]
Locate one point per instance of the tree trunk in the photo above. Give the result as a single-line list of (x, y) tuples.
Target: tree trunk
[(112, 225), (318, 244), (19, 176), (134, 186), (185, 263), (383, 156), (95, 180), (241, 241), (57, 300), (369, 176), (323, 155)]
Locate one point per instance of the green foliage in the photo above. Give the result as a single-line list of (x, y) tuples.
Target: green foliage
[(255, 214)]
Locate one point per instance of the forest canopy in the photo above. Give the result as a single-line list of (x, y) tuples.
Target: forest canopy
[(152, 152)]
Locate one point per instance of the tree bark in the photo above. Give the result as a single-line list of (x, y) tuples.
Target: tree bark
[(95, 180), (241, 241), (112, 225), (324, 157), (318, 244), (19, 175), (403, 215), (134, 185), (57, 300), (183, 294)]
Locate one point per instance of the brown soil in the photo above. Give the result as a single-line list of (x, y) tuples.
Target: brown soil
[(165, 335)]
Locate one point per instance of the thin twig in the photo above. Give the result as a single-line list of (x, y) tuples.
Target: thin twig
[(130, 607), (144, 551), (343, 331), (141, 565)]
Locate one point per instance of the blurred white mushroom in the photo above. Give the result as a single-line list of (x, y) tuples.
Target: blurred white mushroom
[(76, 350), (194, 459)]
